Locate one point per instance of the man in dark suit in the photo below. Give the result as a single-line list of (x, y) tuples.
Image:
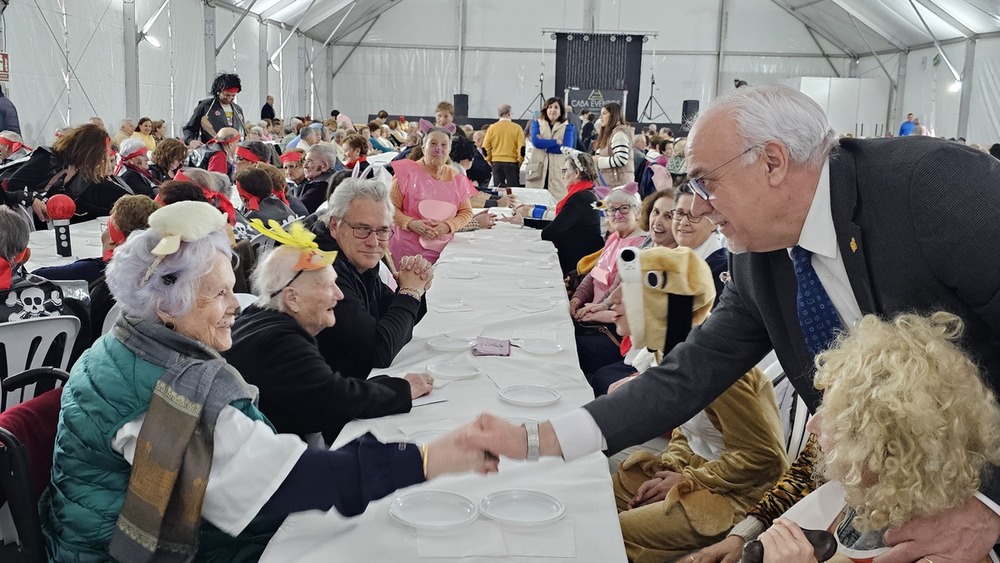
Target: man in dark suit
[(889, 226)]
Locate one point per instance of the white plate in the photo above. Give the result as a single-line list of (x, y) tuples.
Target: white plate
[(541, 248), (459, 275), (454, 370), (537, 284), (462, 260), (444, 343), (529, 395), (521, 507), (538, 345), (533, 304), (437, 511), (449, 304)]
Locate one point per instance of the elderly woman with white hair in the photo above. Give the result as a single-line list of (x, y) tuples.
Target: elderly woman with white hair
[(133, 167), (161, 450), (596, 347), (319, 164), (275, 348)]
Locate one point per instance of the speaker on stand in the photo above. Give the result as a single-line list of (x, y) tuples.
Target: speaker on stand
[(688, 112), (461, 105)]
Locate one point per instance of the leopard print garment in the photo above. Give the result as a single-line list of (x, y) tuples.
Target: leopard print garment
[(797, 482)]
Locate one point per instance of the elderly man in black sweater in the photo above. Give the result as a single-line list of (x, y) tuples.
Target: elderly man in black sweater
[(374, 322)]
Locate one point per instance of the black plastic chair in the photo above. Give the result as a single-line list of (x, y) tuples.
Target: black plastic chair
[(29, 384), (15, 486)]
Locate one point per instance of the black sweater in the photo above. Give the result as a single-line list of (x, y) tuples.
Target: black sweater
[(576, 230), (299, 393), (373, 323)]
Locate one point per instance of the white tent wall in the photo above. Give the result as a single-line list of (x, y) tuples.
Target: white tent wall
[(41, 41), (409, 59), (240, 55), (984, 110)]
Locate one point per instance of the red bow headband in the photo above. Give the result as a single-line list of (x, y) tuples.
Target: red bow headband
[(14, 145), (218, 200), (252, 201), (290, 156), (247, 154), (6, 268), (235, 139)]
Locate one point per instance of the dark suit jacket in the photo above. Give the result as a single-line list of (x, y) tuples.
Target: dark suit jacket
[(916, 220), (211, 109)]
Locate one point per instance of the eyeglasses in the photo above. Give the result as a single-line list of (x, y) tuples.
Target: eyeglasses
[(623, 209), (698, 184), (362, 232), (679, 215)]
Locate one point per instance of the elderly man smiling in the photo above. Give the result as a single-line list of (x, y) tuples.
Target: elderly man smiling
[(375, 322)]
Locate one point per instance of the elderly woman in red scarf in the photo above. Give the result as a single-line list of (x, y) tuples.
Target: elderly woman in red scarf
[(574, 226), (133, 167)]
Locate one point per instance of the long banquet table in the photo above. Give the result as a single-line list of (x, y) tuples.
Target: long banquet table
[(85, 242), (494, 284)]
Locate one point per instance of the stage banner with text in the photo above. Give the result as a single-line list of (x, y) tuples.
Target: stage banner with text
[(585, 98)]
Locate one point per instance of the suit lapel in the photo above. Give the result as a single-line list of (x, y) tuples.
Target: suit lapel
[(843, 199)]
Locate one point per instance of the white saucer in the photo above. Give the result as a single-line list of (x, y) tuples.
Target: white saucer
[(521, 507), (437, 511), (459, 275), (454, 370), (537, 284), (529, 395), (444, 343), (538, 345)]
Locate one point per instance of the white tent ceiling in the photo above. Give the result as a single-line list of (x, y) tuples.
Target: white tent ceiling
[(855, 27)]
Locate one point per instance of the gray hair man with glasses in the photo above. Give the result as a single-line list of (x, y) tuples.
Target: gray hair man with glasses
[(822, 233), (373, 321)]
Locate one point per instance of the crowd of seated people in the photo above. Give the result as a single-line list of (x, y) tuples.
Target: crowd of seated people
[(339, 296)]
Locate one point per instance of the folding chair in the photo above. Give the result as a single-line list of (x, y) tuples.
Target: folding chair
[(36, 342), (111, 319)]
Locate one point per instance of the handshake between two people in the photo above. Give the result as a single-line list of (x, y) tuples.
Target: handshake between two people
[(477, 446)]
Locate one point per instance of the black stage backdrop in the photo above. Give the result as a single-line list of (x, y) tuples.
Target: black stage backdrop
[(600, 61)]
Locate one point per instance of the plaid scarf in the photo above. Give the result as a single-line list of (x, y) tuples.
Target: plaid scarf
[(161, 516)]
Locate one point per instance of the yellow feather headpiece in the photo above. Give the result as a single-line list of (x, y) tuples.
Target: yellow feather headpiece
[(297, 236)]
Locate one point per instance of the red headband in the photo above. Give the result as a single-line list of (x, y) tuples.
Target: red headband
[(138, 152), (235, 139), (247, 154), (233, 90), (252, 201), (14, 145), (291, 156), (220, 201), (116, 236), (6, 268)]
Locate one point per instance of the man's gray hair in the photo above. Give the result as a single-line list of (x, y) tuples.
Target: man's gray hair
[(503, 109), (14, 234), (311, 133), (775, 112), (201, 177), (325, 152), (173, 287), (352, 189), (274, 271)]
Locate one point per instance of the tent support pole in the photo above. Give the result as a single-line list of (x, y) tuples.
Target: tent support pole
[(720, 47), (966, 99), (209, 14), (355, 47), (825, 56), (236, 26), (131, 62)]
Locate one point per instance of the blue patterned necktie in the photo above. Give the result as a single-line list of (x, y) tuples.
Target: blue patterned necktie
[(817, 316)]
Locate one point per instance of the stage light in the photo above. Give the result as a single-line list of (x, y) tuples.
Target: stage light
[(613, 38), (955, 86), (586, 38), (552, 36), (628, 38), (570, 37), (151, 40)]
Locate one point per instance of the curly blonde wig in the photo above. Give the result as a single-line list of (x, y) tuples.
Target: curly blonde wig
[(907, 420)]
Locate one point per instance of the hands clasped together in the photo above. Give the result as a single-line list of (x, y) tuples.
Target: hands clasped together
[(429, 229)]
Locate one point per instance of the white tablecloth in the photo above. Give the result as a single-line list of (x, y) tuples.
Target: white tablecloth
[(534, 196), (584, 486), (85, 241)]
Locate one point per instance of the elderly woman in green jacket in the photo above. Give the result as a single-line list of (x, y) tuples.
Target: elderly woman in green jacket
[(161, 451)]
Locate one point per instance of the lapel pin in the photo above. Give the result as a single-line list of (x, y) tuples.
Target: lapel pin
[(854, 245)]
